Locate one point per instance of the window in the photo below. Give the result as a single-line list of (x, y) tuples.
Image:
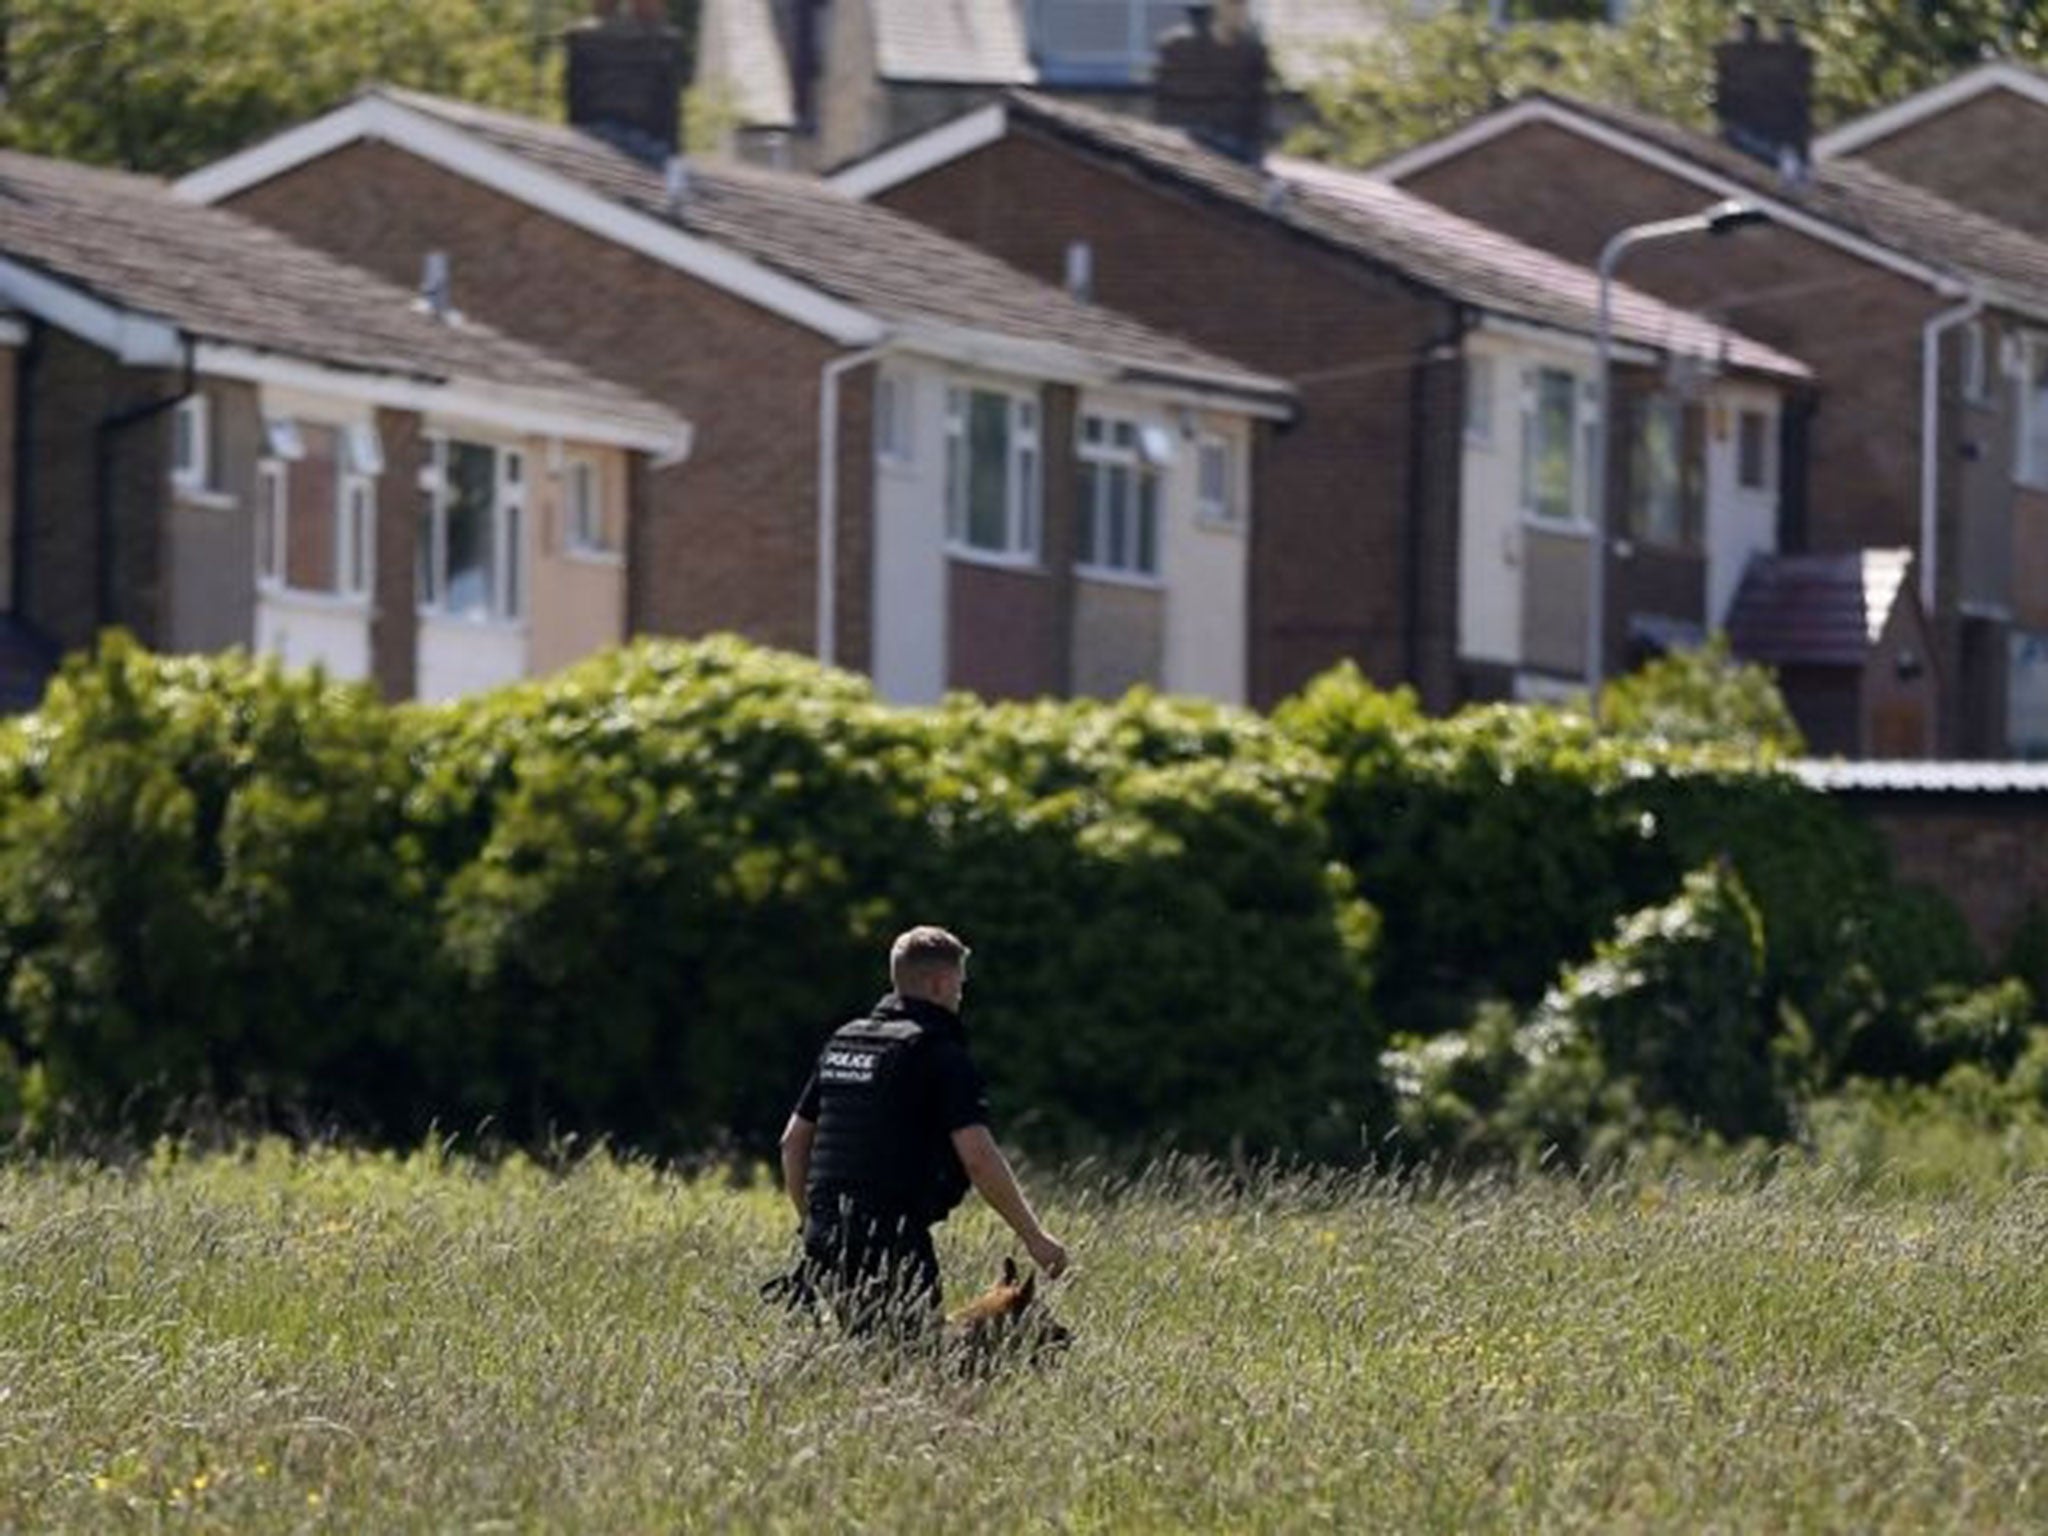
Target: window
[(1101, 39), (1216, 499), (315, 513), (191, 447), (2033, 412), (1753, 450), (1975, 368), (472, 533), (1118, 527), (992, 473), (586, 527), (1666, 483), (1552, 428), (892, 419), (1479, 400)]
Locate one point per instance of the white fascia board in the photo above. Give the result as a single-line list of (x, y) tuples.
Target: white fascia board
[(138, 340), (926, 152), (1057, 363), (1573, 342), (379, 119), (1492, 126), (667, 437), (1932, 102)]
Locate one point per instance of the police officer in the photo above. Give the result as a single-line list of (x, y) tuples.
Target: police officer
[(891, 1129)]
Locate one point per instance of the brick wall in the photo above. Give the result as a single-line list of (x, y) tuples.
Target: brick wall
[(59, 581), (1985, 153), (1332, 493), (728, 539), (1987, 853)]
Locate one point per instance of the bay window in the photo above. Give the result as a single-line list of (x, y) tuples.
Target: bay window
[(316, 509)]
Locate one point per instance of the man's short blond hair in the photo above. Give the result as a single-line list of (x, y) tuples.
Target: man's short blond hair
[(921, 951)]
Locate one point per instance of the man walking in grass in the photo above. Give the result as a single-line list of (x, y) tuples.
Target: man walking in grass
[(889, 1133)]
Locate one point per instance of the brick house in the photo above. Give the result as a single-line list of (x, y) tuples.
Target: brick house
[(1923, 322), (821, 82), (910, 458), (1978, 139), (219, 438), (1426, 517)]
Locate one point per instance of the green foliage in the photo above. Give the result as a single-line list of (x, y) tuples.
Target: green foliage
[(1421, 78), (1662, 1033), (206, 891), (166, 85), (1702, 697)]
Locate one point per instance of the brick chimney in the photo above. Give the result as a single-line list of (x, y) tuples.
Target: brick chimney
[(1763, 94), (1211, 80), (625, 77)]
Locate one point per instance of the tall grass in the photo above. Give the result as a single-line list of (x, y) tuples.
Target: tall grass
[(274, 1341)]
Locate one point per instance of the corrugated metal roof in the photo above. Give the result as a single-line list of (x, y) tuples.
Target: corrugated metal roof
[(1924, 778)]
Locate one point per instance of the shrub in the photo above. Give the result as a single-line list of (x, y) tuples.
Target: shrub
[(1703, 697)]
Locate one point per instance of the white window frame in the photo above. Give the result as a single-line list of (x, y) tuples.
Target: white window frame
[(1580, 431), (1767, 480), (355, 533), (273, 510), (191, 424), (1098, 446), (895, 421), (1479, 399), (585, 533), (1023, 476), (1226, 511), (2030, 420), (509, 580)]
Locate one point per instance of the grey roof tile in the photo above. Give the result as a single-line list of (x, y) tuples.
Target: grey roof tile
[(965, 42), (739, 49), (881, 262), (131, 243), (1363, 217)]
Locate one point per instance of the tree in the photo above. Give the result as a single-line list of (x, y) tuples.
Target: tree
[(1419, 79), (166, 85)]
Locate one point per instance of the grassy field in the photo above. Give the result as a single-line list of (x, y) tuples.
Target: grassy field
[(273, 1342)]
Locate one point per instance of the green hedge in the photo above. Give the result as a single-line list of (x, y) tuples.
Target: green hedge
[(631, 898)]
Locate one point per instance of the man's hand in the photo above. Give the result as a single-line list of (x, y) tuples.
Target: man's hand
[(1048, 1253)]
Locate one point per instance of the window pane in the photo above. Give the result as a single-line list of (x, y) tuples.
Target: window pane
[(1479, 398), (515, 560), (1654, 475), (1027, 500), (1147, 557), (1549, 455), (313, 507), (472, 489), (1086, 522), (357, 534), (1214, 480), (1116, 552), (269, 516), (988, 464)]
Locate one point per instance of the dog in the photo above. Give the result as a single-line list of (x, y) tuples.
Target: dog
[(1006, 1322)]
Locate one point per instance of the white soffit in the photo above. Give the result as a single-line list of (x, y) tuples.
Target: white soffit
[(1791, 217), (139, 340), (1932, 102), (377, 118), (926, 152)]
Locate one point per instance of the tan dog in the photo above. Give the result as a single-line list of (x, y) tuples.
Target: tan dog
[(1007, 1322)]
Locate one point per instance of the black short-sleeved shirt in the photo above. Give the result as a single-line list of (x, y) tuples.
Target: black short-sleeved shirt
[(959, 1099)]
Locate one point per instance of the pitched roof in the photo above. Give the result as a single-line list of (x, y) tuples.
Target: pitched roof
[(1876, 126), (1361, 217), (1926, 232), (889, 266), (1816, 610), (737, 46), (960, 42), (130, 243)]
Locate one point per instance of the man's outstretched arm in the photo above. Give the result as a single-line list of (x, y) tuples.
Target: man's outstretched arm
[(797, 1137), (990, 1172)]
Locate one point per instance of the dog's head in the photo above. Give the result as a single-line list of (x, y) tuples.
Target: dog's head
[(1009, 1319)]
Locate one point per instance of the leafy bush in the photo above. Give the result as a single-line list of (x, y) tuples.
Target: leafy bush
[(1703, 697), (1661, 1034)]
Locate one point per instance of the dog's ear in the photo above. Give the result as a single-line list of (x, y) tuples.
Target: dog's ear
[(1027, 1289), (1009, 1270)]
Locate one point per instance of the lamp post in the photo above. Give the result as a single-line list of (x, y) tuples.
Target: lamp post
[(1721, 219)]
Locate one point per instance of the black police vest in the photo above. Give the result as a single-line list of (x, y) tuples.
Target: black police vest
[(879, 1143)]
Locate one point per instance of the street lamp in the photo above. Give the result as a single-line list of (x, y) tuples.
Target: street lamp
[(1721, 219)]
